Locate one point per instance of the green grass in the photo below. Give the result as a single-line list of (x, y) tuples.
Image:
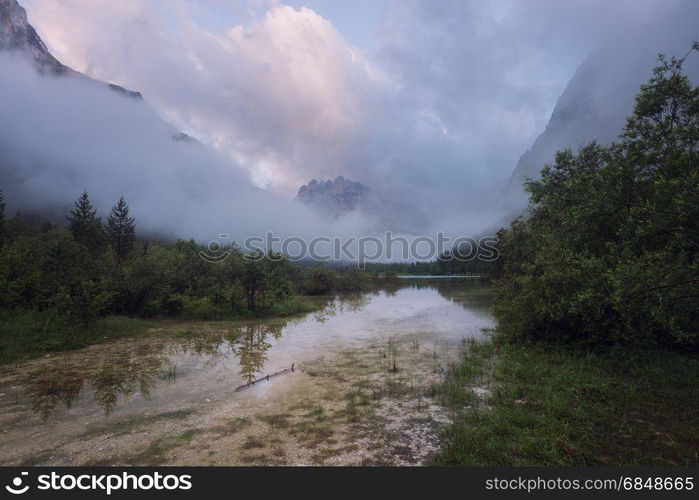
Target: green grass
[(30, 333), (551, 405)]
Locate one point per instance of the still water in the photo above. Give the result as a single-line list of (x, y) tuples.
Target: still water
[(359, 392)]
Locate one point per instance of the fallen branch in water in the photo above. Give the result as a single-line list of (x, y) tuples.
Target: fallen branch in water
[(266, 378)]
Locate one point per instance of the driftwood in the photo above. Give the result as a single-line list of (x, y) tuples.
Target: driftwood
[(266, 378)]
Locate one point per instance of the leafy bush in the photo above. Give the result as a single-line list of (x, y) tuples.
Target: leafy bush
[(199, 308), (609, 251), (319, 281)]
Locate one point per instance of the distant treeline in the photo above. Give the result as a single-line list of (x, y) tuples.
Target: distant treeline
[(608, 252), (446, 264)]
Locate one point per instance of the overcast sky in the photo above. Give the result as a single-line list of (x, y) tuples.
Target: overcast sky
[(368, 89), (430, 103)]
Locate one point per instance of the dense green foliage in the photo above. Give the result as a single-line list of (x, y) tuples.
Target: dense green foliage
[(606, 258), (608, 253), (56, 283)]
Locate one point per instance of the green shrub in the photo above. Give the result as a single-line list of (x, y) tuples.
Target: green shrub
[(200, 308), (609, 252)]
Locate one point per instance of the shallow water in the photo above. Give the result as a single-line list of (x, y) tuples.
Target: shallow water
[(172, 398)]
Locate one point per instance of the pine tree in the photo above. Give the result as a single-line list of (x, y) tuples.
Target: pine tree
[(84, 224), (121, 230)]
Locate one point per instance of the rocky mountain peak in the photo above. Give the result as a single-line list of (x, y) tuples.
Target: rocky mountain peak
[(335, 196), (16, 34)]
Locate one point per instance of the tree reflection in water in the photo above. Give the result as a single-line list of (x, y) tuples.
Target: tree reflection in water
[(127, 369), (116, 374), (252, 348), (341, 304), (134, 368)]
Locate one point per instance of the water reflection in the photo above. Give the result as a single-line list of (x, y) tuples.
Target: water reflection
[(252, 348), (116, 372), (475, 294), (343, 304), (136, 372)]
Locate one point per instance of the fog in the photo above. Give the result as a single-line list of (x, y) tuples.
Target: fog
[(63, 135), (432, 115)]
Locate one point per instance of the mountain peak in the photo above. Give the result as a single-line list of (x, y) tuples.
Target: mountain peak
[(335, 196), (17, 35)]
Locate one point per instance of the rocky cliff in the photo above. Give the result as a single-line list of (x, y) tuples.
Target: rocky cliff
[(334, 197), (600, 95), (17, 35)]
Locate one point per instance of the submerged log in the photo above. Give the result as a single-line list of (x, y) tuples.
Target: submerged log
[(266, 378)]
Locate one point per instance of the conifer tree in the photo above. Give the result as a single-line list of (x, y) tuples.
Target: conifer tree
[(121, 230), (84, 224)]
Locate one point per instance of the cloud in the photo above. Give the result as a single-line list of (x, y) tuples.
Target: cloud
[(70, 134), (433, 119), (282, 91), (489, 73)]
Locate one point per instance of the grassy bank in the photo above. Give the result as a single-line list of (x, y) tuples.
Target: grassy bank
[(550, 405), (30, 333)]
